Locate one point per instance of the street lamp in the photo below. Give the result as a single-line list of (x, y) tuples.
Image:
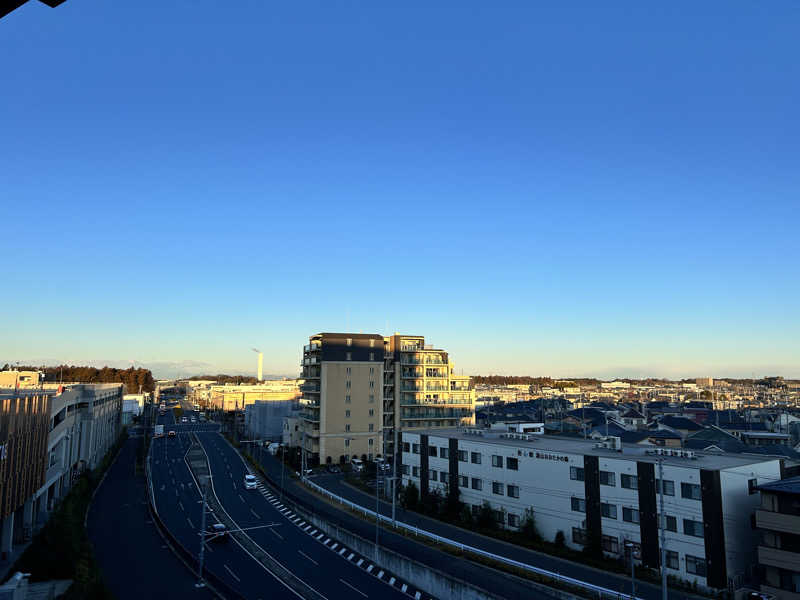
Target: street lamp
[(629, 546)]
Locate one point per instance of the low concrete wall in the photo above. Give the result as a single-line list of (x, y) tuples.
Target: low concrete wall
[(431, 580)]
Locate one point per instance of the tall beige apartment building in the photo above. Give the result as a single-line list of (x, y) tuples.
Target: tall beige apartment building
[(361, 388)]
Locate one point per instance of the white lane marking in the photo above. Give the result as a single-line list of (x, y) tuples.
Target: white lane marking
[(255, 514), (232, 573), (320, 536), (392, 580), (314, 532), (418, 595), (342, 551), (276, 533), (352, 554), (181, 505), (307, 527), (190, 522), (353, 588), (404, 587), (360, 562), (301, 523), (291, 515), (334, 546), (369, 568), (308, 557), (242, 499)]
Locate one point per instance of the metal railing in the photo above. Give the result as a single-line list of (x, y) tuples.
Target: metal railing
[(563, 579)]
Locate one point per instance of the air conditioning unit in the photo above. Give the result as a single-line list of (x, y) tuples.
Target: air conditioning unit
[(689, 454)]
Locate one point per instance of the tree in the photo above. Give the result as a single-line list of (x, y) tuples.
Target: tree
[(409, 497), (486, 517), (528, 527), (559, 540)]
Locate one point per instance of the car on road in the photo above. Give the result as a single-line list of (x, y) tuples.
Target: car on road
[(216, 533), (194, 420), (250, 482), (357, 464), (334, 469), (184, 420), (172, 433), (382, 465)]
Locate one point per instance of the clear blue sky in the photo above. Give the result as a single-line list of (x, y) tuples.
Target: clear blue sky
[(577, 189)]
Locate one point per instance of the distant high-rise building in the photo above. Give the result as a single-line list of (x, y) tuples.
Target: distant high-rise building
[(705, 382), (359, 388)]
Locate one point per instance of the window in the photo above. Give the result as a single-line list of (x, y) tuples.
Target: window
[(751, 486), (444, 452), (347, 427), (499, 516), (576, 473), (463, 481), (513, 520), (372, 356), (609, 511), (415, 471), (443, 476), (579, 536), (694, 528), (578, 504), (431, 450), (672, 560), (347, 442), (349, 356), (371, 427), (349, 341), (372, 385), (372, 343), (347, 384), (608, 478), (497, 461), (348, 371), (347, 399), (372, 370), (404, 469), (669, 487), (670, 523), (371, 442), (477, 484), (512, 463), (433, 475), (406, 447), (415, 448), (347, 413), (497, 488), (630, 515), (691, 491), (476, 508), (610, 544), (512, 491), (371, 412), (630, 482), (696, 565), (462, 455), (475, 457)]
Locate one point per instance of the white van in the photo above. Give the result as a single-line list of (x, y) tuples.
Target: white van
[(357, 464)]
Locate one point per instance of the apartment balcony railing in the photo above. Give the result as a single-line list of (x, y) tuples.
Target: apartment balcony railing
[(411, 348), (310, 387), (433, 402), (412, 374), (430, 360), (436, 387), (311, 360), (409, 359), (411, 388), (434, 414)]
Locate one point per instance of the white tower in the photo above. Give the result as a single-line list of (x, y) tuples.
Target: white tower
[(260, 364)]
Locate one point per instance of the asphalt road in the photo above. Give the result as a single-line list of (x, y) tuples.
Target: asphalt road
[(326, 571), (178, 502), (131, 553)]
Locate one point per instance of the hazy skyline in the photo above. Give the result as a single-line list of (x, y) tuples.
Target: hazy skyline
[(577, 190)]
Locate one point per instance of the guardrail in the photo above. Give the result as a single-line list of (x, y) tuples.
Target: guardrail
[(601, 591)]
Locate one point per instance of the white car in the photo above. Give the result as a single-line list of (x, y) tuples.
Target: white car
[(249, 482)]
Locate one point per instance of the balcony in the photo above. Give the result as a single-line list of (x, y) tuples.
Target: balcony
[(411, 374), (310, 387), (436, 387), (310, 360), (778, 521), (312, 348), (778, 558), (407, 387)]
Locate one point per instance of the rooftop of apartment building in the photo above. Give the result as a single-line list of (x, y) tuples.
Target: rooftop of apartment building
[(571, 445), (784, 486)]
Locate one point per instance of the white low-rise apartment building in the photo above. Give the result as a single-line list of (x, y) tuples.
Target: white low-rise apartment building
[(604, 497)]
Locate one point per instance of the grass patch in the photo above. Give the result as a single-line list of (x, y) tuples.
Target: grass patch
[(61, 550)]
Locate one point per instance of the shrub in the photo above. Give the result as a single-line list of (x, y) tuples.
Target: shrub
[(559, 540)]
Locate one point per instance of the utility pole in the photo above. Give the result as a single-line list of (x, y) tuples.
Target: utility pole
[(200, 583), (661, 527), (377, 496), (394, 479)]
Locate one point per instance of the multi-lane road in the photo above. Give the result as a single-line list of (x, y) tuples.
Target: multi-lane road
[(319, 564)]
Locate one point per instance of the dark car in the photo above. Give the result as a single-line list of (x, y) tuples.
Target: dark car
[(216, 533), (334, 469)]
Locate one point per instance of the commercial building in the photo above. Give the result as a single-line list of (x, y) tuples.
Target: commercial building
[(778, 521), (264, 419), (604, 494), (237, 397), (361, 388), (20, 379), (704, 382), (77, 423)]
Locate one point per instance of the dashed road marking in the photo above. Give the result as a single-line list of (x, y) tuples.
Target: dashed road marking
[(353, 588), (227, 568), (308, 557)]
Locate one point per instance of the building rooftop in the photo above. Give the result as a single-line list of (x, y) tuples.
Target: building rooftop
[(784, 486), (571, 445)]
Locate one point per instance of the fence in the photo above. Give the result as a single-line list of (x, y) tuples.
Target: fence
[(596, 589)]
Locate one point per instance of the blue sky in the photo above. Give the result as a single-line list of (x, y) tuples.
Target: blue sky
[(601, 189)]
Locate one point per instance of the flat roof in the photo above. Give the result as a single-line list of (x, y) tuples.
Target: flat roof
[(570, 445), (784, 486)]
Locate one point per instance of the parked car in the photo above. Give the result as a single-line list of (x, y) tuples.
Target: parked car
[(216, 533), (250, 482), (172, 433), (334, 469)]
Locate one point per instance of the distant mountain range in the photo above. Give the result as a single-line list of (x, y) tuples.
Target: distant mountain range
[(160, 369)]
